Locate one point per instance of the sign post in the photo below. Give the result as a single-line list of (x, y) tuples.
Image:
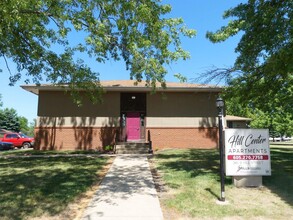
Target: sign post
[(220, 105)]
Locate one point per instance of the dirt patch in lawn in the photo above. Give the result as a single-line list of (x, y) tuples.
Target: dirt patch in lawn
[(163, 193)]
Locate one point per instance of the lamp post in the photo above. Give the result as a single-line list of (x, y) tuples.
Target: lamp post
[(220, 105)]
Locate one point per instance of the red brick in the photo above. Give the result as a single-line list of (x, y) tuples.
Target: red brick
[(80, 138)]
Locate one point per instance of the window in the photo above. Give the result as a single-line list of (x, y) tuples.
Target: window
[(230, 124), (12, 136)]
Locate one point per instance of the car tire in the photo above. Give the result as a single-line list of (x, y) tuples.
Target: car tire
[(26, 145)]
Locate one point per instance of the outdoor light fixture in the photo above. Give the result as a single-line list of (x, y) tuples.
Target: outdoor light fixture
[(220, 105)]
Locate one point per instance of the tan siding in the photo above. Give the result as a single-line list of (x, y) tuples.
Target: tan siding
[(60, 104), (181, 122), (185, 104), (162, 122)]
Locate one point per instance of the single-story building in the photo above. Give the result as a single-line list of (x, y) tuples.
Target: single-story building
[(237, 122), (179, 116)]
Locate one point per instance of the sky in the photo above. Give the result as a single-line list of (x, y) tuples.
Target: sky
[(201, 15)]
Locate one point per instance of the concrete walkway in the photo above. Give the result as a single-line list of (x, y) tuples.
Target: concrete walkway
[(126, 192)]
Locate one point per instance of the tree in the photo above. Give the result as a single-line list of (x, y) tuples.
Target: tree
[(1, 103), (136, 31), (9, 120), (279, 122), (276, 118), (25, 127), (264, 66)]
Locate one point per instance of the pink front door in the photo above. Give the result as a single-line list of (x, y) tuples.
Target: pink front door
[(133, 126)]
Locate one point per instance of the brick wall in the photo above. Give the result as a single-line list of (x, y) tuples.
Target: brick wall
[(81, 138), (76, 138), (183, 137)]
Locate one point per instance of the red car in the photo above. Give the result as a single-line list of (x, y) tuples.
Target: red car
[(18, 140)]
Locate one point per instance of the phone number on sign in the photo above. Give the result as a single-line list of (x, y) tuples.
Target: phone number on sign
[(248, 157)]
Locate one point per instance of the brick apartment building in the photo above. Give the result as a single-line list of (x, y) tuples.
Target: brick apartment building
[(179, 116)]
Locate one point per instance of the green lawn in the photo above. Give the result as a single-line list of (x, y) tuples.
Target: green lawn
[(193, 187), (36, 187), (24, 152)]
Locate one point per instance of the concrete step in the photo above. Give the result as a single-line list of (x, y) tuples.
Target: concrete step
[(132, 148)]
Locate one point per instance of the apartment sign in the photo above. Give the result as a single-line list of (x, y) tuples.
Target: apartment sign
[(247, 152)]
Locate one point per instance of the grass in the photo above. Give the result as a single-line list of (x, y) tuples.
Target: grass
[(36, 187), (193, 187), (25, 152)]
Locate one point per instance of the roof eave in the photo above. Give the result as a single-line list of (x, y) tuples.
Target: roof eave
[(236, 118), (160, 89), (36, 89)]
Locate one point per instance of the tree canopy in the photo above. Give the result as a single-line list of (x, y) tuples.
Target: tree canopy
[(262, 74), (277, 118), (138, 32), (9, 120)]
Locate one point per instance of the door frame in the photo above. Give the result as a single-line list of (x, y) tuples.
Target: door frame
[(132, 103)]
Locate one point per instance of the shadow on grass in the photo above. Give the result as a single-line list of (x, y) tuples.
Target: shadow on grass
[(281, 180), (47, 152), (198, 162), (31, 187), (195, 161)]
